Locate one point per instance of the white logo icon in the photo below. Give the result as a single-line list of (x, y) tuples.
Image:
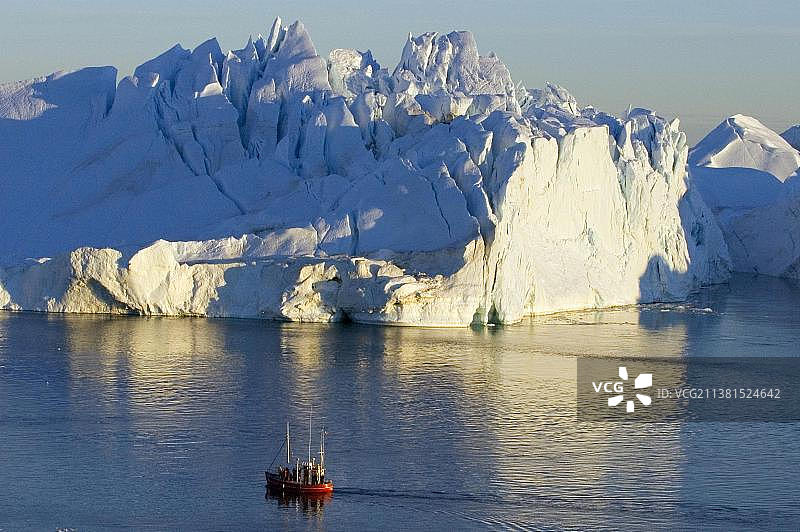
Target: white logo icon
[(644, 380)]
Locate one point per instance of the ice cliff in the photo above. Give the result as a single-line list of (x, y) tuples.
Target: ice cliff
[(271, 182), (747, 174)]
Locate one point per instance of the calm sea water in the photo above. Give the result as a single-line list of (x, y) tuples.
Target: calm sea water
[(161, 423)]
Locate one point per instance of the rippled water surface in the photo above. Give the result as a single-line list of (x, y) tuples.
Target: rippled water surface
[(169, 423)]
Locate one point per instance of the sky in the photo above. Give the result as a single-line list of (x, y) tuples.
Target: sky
[(698, 60)]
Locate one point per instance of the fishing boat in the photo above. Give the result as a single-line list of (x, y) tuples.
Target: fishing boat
[(300, 477)]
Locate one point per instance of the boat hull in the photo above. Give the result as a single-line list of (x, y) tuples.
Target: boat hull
[(275, 482)]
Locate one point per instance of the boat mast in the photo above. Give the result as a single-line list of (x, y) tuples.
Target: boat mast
[(309, 432), (288, 449), (322, 447)]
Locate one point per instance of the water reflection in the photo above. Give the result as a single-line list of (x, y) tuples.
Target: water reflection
[(173, 420), (311, 506)]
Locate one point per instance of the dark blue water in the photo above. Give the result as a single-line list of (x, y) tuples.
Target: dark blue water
[(162, 423)]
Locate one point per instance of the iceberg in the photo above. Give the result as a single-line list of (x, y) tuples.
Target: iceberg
[(747, 174), (792, 136), (744, 142), (270, 182)]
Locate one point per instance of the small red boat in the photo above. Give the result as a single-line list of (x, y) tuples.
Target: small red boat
[(301, 478), (277, 483)]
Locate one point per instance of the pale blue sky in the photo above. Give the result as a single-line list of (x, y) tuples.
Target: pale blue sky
[(700, 60)]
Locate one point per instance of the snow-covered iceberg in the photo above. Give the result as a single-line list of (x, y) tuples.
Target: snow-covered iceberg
[(747, 174), (744, 142), (271, 182)]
